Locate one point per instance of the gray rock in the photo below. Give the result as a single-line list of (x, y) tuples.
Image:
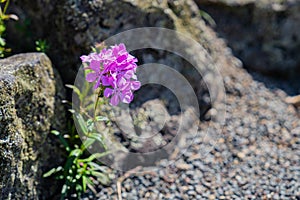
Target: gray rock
[(264, 34), (29, 102), (77, 25)]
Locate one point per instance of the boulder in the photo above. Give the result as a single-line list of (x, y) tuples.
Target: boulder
[(30, 96), (77, 25), (264, 34)]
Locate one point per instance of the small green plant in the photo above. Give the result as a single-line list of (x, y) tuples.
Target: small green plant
[(3, 17), (112, 72), (41, 46), (80, 168)]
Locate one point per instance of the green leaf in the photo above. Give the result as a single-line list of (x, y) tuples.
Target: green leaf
[(95, 166), (64, 191), (81, 123), (2, 28), (52, 171), (94, 49), (76, 90), (90, 182), (49, 173), (2, 42), (87, 90), (90, 106), (68, 165), (75, 152), (55, 132), (62, 139), (78, 176), (78, 188), (69, 178), (84, 182), (72, 111), (98, 137), (9, 16), (95, 156), (103, 178), (101, 118), (81, 170), (88, 142), (90, 125)]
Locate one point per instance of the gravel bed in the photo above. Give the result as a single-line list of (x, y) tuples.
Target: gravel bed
[(257, 156)]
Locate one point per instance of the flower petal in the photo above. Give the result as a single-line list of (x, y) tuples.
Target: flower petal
[(122, 58), (112, 80), (114, 100), (135, 85), (128, 74), (97, 84), (105, 81), (95, 65), (108, 92), (91, 77), (85, 58), (127, 97)]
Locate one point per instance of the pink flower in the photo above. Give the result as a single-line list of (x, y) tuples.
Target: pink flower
[(122, 91), (114, 70)]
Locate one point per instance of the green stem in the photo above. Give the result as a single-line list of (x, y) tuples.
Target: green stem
[(5, 7), (97, 101)]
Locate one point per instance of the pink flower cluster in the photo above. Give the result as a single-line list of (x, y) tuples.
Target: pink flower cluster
[(114, 70)]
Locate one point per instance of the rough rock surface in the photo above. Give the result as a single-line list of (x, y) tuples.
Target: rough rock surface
[(29, 101), (264, 34)]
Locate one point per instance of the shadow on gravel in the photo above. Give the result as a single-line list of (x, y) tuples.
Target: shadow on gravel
[(290, 86)]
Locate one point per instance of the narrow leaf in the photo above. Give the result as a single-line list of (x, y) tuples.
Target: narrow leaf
[(84, 181), (52, 171), (97, 167), (62, 139), (103, 178), (101, 118), (88, 142), (2, 41), (95, 156), (98, 137), (76, 90), (90, 125), (78, 188), (81, 123), (75, 152)]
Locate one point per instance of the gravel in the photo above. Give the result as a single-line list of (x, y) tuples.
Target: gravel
[(257, 156)]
